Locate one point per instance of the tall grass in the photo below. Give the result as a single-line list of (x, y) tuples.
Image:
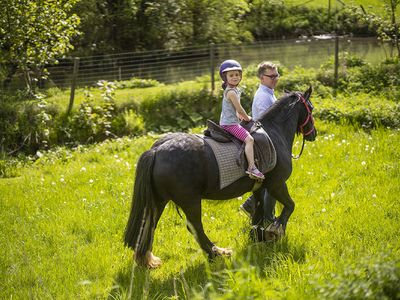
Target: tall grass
[(62, 222)]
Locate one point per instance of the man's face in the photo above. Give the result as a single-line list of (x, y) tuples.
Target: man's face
[(270, 78)]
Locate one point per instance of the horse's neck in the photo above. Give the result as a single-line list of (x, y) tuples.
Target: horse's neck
[(284, 130)]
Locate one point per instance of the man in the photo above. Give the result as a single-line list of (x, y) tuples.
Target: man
[(263, 98)]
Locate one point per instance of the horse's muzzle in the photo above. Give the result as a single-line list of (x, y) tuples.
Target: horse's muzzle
[(311, 136)]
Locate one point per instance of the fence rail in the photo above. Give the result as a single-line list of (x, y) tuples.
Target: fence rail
[(188, 63)]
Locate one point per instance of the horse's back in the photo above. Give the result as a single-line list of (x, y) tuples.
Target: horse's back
[(181, 166)]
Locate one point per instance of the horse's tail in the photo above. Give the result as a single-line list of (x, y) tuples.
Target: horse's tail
[(139, 231)]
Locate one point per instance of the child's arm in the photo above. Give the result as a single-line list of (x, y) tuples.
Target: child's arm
[(233, 97)]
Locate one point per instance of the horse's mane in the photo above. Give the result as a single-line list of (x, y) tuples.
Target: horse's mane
[(284, 102)]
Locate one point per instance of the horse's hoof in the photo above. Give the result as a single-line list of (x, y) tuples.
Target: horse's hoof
[(218, 251), (274, 231), (270, 234), (149, 261), (153, 261)]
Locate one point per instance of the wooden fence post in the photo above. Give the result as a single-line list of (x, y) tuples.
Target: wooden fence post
[(73, 84), (212, 66), (336, 73)]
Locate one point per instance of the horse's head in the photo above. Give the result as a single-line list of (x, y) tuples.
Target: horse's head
[(306, 120)]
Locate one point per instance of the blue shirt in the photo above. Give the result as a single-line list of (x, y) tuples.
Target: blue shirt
[(263, 99)]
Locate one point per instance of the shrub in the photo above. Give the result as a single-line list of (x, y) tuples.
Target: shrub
[(25, 125), (92, 121), (134, 122), (355, 75), (179, 110), (360, 110), (137, 83)]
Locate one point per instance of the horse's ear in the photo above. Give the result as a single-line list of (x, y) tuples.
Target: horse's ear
[(307, 93)]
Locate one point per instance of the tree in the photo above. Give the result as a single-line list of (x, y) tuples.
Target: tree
[(135, 25), (107, 26), (34, 33), (388, 26), (169, 24)]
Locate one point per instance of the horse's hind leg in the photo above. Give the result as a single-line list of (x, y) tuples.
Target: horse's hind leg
[(149, 259), (193, 215)]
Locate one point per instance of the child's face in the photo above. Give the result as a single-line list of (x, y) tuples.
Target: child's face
[(233, 77)]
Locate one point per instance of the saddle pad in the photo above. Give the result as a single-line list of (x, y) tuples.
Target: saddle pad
[(226, 155)]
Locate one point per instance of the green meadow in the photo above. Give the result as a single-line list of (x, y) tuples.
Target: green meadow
[(62, 219), (375, 6)]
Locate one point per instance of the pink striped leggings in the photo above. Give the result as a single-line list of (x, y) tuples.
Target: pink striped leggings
[(237, 131)]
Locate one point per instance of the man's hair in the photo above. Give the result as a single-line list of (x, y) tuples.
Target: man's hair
[(265, 65)]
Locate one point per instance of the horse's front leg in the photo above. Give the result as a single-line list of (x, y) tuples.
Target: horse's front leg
[(192, 211), (282, 194)]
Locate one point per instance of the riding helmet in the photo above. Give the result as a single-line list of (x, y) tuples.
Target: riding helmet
[(228, 65)]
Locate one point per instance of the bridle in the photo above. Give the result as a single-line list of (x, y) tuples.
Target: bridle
[(309, 107)]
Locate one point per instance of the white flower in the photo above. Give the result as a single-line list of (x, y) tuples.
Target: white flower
[(83, 169), (91, 181), (323, 210), (363, 163)]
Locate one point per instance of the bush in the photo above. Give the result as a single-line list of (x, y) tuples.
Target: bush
[(137, 83), (360, 110), (182, 110), (25, 125), (355, 75)]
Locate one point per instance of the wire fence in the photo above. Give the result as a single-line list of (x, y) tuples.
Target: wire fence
[(188, 63)]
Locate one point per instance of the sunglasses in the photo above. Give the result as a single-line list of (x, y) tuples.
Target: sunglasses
[(272, 76)]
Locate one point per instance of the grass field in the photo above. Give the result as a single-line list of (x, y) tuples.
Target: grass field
[(63, 218), (375, 6)]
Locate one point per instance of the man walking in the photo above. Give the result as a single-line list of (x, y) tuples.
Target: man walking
[(263, 98)]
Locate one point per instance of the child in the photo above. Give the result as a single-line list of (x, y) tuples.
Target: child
[(231, 74)]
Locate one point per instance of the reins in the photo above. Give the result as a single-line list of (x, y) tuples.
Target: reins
[(301, 151)]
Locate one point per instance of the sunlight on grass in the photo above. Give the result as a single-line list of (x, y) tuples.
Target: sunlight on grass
[(375, 6), (63, 219), (123, 95)]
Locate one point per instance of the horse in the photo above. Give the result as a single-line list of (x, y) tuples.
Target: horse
[(181, 167)]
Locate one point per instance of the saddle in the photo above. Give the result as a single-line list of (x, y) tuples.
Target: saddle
[(264, 150)]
